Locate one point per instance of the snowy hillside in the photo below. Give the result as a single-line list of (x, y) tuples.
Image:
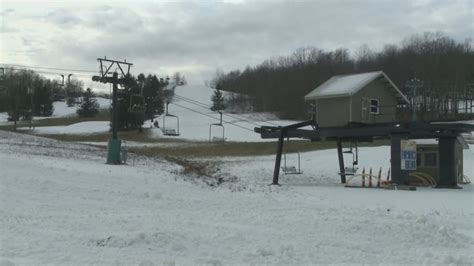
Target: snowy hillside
[(62, 110), (192, 105), (83, 128), (60, 204)]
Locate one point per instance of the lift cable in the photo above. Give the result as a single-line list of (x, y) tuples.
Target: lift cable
[(45, 72), (228, 122), (208, 107), (203, 105), (51, 68)]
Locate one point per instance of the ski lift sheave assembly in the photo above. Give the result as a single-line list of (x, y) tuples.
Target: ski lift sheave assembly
[(213, 138), (170, 131)]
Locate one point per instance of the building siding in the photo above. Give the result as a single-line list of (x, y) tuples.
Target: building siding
[(333, 112), (387, 103)]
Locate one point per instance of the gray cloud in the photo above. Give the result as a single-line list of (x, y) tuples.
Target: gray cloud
[(200, 37), (113, 20), (62, 17)]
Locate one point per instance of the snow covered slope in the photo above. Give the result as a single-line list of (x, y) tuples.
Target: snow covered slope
[(61, 109), (82, 128), (60, 204), (191, 104)]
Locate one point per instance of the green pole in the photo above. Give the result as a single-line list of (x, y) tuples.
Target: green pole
[(114, 145)]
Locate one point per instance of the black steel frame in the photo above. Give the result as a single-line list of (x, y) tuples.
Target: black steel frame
[(445, 132)]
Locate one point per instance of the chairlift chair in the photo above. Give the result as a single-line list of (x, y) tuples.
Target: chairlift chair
[(170, 131), (291, 170), (354, 150), (136, 104), (216, 138)]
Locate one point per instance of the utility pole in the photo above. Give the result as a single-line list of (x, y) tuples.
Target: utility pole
[(69, 82), (31, 91), (68, 87), (106, 76)]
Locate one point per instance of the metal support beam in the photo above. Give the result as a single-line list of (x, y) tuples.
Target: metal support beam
[(276, 171), (341, 161), (399, 176), (447, 163)]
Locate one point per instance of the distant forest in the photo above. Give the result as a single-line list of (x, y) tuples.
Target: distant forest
[(444, 66)]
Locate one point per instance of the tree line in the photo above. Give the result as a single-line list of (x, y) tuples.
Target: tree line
[(25, 93), (444, 66), (143, 97)]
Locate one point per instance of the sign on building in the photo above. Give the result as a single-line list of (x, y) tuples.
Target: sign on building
[(408, 154)]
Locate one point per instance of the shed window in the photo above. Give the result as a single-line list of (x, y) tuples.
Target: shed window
[(431, 159), (374, 106)]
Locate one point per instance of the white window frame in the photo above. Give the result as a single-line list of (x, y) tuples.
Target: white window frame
[(377, 106)]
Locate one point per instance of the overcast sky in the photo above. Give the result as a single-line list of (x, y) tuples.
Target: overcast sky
[(198, 37)]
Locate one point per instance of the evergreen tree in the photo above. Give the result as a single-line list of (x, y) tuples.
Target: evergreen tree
[(130, 105), (153, 96), (42, 94), (217, 99), (89, 106)]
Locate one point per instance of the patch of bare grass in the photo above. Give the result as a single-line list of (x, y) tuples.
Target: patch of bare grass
[(203, 149), (206, 171)]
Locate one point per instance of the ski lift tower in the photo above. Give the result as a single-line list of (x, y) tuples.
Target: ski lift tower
[(107, 76)]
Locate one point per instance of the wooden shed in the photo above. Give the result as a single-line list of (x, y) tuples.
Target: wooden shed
[(367, 98)]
